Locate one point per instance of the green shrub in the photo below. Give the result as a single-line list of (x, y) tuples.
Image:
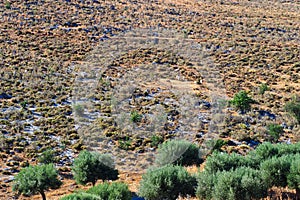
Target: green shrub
[(293, 177), (293, 108), (276, 169), (275, 130), (264, 151), (8, 5), (224, 162), (267, 150), (263, 88), (179, 152), (242, 183), (205, 185), (284, 149), (47, 157), (36, 179), (81, 196), (242, 101), (91, 166), (78, 109), (167, 182), (156, 140), (135, 117), (113, 191), (101, 190)]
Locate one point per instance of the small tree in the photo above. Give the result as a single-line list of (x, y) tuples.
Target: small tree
[(91, 166), (242, 101), (294, 175), (167, 182), (37, 179)]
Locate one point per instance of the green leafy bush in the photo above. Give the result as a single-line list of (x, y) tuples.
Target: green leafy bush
[(224, 162), (205, 185), (91, 166), (275, 130), (81, 196), (263, 88), (264, 151), (47, 157), (135, 117), (242, 183), (293, 108), (167, 182), (242, 101), (276, 169), (293, 178), (179, 152), (37, 179), (267, 150), (113, 191)]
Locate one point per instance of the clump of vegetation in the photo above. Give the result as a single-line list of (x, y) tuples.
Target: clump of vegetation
[(275, 130), (180, 152), (241, 183), (113, 191), (107, 191), (231, 176), (293, 107), (81, 196), (167, 182), (156, 140), (78, 109), (37, 179), (276, 170), (294, 176), (47, 157), (8, 5), (242, 101), (263, 88), (219, 161), (92, 166), (135, 117)]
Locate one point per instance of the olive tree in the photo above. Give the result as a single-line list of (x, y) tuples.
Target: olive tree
[(36, 179), (92, 166)]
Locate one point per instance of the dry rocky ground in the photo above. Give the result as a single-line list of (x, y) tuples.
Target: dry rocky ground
[(46, 45)]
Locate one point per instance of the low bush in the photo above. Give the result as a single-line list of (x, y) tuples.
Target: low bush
[(113, 191), (293, 178), (276, 169), (205, 185), (242, 183), (219, 161), (242, 101), (180, 152), (167, 182), (81, 196), (267, 150), (293, 107), (47, 157), (275, 130)]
